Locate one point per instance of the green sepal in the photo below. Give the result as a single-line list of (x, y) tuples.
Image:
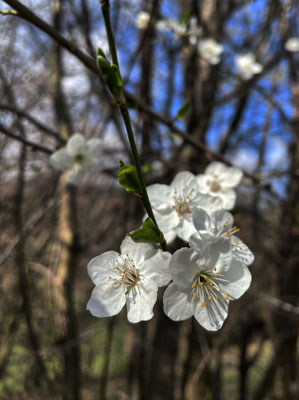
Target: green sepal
[(128, 178), (149, 232), (182, 110)]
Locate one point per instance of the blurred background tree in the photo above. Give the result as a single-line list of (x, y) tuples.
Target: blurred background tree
[(186, 112)]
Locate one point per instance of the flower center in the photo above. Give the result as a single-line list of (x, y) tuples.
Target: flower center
[(128, 274), (214, 185), (205, 287), (77, 163), (181, 202)]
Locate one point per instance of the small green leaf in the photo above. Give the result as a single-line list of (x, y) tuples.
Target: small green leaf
[(182, 110), (102, 54), (111, 75), (185, 17), (128, 178), (149, 232), (117, 77)]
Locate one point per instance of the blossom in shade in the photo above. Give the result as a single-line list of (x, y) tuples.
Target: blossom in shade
[(78, 157), (178, 30), (215, 228), (219, 180), (172, 205), (194, 31), (210, 50), (203, 284), (247, 65), (131, 277), (142, 20), (292, 44)]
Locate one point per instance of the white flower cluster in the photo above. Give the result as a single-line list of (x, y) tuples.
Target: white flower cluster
[(203, 277), (78, 157), (209, 49)]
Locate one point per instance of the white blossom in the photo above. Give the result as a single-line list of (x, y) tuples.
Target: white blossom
[(172, 25), (210, 50), (292, 44), (219, 180), (203, 284), (247, 65), (142, 20), (172, 205), (78, 157), (194, 31), (215, 228), (131, 277)]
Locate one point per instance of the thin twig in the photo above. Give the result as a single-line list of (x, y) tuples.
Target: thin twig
[(26, 229), (34, 121), (27, 142)]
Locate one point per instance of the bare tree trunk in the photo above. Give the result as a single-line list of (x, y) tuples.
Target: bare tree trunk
[(68, 338)]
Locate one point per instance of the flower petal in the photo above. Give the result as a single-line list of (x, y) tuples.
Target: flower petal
[(216, 168), (106, 300), (218, 248), (221, 249), (160, 196), (228, 197), (223, 221), (240, 251), (177, 303), (135, 251), (207, 202), (94, 148), (237, 280), (140, 301), (61, 159), (211, 313), (156, 266), (170, 236), (184, 181), (74, 177), (231, 177), (76, 145), (167, 220), (185, 229), (184, 265), (202, 221), (100, 268), (202, 180)]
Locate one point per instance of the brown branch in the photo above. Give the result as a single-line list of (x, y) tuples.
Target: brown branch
[(27, 228), (34, 121), (26, 142), (88, 61)]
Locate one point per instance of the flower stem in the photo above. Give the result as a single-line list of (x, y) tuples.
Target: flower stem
[(105, 6)]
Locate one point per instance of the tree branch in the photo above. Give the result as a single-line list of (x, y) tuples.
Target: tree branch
[(27, 142)]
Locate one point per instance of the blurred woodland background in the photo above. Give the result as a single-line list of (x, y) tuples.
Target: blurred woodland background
[(51, 347)]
